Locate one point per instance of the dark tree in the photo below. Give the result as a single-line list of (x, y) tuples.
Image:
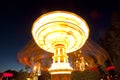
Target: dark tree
[(111, 42), (21, 75)]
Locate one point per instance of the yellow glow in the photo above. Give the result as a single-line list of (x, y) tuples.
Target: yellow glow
[(35, 67), (61, 72), (60, 27)]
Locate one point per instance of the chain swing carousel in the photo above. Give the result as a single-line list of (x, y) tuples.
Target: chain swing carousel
[(63, 34)]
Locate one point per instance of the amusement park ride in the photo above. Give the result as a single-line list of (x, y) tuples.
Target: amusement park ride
[(60, 32), (61, 36)]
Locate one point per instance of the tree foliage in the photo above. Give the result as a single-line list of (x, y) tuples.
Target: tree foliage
[(111, 42)]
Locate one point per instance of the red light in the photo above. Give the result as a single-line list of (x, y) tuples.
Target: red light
[(7, 74), (93, 69), (110, 68)]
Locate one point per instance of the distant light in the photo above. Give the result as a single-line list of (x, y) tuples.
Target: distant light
[(7, 74), (86, 64), (110, 68), (35, 67)]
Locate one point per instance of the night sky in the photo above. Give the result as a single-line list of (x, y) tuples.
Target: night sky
[(17, 17)]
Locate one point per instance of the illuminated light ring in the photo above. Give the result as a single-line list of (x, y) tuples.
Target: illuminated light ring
[(43, 19), (80, 32), (67, 18), (60, 72), (62, 31)]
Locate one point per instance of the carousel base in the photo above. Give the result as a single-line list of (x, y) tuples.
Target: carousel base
[(60, 71)]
